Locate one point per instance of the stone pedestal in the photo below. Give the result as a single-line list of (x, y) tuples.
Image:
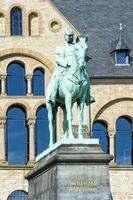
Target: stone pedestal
[(71, 170)]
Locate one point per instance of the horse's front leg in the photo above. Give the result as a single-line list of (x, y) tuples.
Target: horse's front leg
[(55, 109), (68, 104), (80, 119), (65, 123), (51, 123)]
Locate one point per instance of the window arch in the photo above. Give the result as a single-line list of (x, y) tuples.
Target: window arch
[(16, 21), (38, 82), (42, 130), (16, 83), (99, 130), (17, 136), (18, 195), (33, 24), (2, 24), (123, 141)]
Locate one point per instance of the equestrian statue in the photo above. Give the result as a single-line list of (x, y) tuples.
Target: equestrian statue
[(69, 84)]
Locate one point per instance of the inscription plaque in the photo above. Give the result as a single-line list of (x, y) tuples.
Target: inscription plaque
[(83, 185)]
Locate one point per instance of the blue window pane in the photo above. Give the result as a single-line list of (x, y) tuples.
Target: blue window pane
[(121, 57), (16, 21), (16, 136), (123, 141), (99, 130), (38, 82), (15, 84), (18, 195), (42, 130)]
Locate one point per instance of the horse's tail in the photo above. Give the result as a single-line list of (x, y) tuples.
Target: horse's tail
[(89, 99)]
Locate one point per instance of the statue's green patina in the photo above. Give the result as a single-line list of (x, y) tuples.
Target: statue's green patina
[(69, 84)]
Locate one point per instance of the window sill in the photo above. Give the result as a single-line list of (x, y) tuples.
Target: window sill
[(22, 97), (20, 36), (14, 167), (120, 167), (122, 65)]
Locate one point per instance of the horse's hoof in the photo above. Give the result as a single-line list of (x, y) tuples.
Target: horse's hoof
[(71, 137), (80, 137), (50, 145), (65, 136)]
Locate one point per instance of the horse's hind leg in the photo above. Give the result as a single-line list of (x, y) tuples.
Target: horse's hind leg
[(80, 119), (51, 123)]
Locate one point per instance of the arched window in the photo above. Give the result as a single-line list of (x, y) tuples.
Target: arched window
[(42, 130), (123, 141), (18, 195), (2, 25), (99, 130), (33, 24), (16, 21), (16, 83), (38, 82), (17, 137)]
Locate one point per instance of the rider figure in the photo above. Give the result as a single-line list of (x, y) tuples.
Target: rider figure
[(64, 57)]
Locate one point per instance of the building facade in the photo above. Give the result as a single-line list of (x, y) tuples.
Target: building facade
[(29, 34)]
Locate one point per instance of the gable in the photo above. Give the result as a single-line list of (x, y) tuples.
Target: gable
[(42, 27)]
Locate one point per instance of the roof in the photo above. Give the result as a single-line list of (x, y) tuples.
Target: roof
[(101, 19)]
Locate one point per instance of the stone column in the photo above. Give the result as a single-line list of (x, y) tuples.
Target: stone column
[(29, 84), (111, 143), (3, 85), (2, 142), (31, 124)]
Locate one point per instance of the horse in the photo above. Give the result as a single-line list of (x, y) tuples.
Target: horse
[(73, 87)]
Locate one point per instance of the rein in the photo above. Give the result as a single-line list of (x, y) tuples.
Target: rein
[(77, 81)]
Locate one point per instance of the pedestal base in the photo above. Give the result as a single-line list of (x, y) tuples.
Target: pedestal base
[(71, 171)]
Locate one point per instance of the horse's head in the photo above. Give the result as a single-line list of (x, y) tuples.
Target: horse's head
[(81, 50)]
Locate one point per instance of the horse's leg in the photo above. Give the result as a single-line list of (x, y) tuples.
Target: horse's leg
[(51, 125), (83, 99), (68, 104), (80, 119), (80, 110), (54, 122), (65, 123)]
